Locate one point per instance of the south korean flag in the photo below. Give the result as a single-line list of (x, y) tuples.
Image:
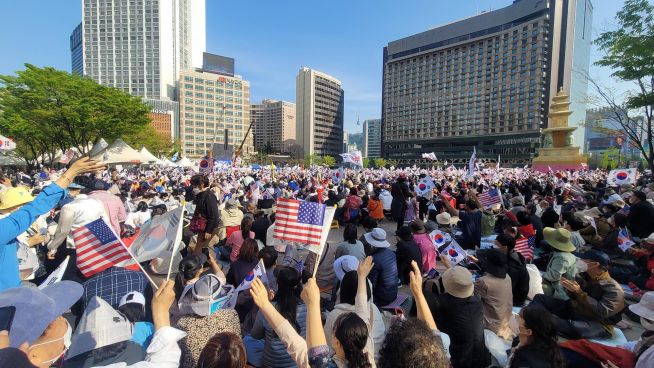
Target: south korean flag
[(337, 176), (425, 187)]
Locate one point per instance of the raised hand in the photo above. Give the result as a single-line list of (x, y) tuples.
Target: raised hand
[(259, 293), (365, 267), (415, 279), (311, 293)]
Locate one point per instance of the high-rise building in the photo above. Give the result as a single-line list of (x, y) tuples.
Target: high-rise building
[(212, 108), (485, 82), (371, 138), (139, 46), (319, 106), (273, 124)]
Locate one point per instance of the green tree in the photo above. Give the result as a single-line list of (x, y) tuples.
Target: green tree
[(366, 162), (628, 52), (380, 162), (391, 162), (147, 136), (46, 110), (328, 161), (313, 160)]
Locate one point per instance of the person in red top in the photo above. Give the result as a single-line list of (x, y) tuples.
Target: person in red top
[(525, 228), (645, 259)]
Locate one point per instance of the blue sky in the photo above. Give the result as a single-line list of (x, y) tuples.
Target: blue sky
[(271, 40)]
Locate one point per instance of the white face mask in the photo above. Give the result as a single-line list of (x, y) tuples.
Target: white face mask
[(647, 324), (196, 191), (67, 341), (581, 265)]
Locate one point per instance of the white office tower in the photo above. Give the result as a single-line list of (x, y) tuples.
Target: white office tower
[(139, 46)]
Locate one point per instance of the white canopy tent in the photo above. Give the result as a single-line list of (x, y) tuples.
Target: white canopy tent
[(98, 147), (151, 158), (185, 162), (120, 152), (167, 163), (8, 158)]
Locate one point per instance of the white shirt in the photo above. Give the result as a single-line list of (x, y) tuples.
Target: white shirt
[(387, 199), (138, 218), (163, 352), (73, 215)]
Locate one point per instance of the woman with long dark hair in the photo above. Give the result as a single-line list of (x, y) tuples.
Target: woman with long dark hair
[(537, 346), (206, 210), (350, 337), (236, 238), (287, 302), (192, 267)]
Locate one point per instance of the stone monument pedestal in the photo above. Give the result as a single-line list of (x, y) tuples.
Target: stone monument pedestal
[(562, 155)]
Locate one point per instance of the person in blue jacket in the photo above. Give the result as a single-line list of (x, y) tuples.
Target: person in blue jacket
[(22, 216)]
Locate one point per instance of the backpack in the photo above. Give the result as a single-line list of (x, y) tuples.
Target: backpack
[(487, 224)]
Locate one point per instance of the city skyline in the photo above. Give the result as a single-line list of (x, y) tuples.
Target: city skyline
[(350, 52)]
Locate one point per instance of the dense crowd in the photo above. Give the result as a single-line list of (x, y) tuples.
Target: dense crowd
[(437, 267)]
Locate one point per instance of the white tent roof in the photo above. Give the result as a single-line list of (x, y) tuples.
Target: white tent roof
[(11, 159), (167, 163), (151, 158), (120, 153), (185, 162), (98, 147)]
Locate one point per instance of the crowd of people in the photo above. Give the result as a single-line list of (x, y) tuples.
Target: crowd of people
[(547, 271)]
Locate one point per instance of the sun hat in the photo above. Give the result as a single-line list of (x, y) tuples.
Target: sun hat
[(132, 297), (36, 309), (345, 264), (443, 218), (13, 197), (612, 199), (593, 212), (558, 239), (645, 307), (457, 281), (377, 238), (205, 296), (101, 325), (417, 226), (517, 201), (493, 261), (627, 187), (595, 255)]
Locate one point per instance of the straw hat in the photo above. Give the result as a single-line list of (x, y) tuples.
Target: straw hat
[(558, 239), (13, 197)]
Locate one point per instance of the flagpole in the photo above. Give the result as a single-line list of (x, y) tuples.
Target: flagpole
[(134, 258)]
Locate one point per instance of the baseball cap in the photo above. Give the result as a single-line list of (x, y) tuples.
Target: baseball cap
[(36, 308), (345, 264), (101, 325), (595, 255), (132, 297)]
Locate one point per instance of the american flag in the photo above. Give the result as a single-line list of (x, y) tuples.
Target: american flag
[(299, 221), (490, 198), (98, 248), (525, 246)]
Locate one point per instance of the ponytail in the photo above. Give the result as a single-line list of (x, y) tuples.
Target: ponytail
[(352, 332)]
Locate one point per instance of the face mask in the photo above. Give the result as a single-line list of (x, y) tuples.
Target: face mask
[(67, 340), (647, 324), (196, 191), (581, 266)]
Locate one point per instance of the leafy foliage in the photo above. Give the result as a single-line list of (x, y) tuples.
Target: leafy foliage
[(628, 52), (45, 110)]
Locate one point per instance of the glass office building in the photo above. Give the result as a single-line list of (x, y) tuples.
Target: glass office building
[(483, 82)]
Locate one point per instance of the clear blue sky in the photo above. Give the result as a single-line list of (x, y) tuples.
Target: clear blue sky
[(271, 40)]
